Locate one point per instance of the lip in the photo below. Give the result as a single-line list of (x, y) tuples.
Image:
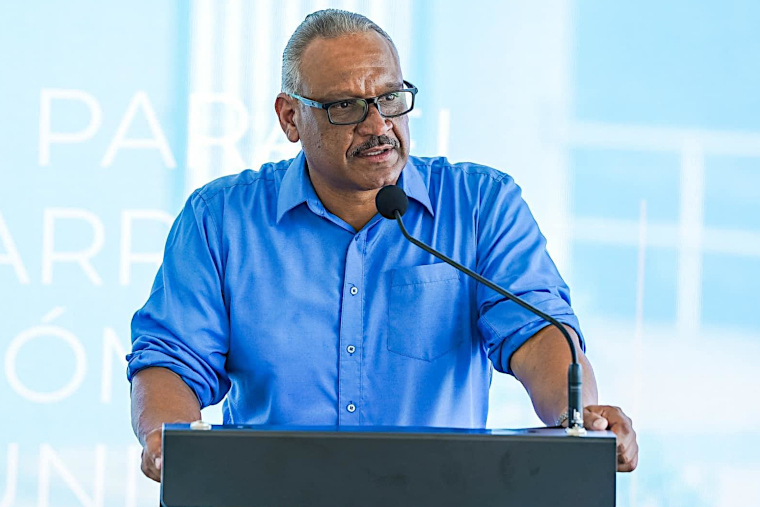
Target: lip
[(380, 157)]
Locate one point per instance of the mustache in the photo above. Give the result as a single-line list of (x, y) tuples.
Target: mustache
[(373, 142)]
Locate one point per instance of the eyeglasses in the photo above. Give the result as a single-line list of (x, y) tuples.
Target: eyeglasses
[(352, 111)]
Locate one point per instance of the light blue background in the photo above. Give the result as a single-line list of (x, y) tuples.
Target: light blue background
[(591, 105)]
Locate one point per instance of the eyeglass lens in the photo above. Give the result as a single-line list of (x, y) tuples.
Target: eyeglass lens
[(352, 110)]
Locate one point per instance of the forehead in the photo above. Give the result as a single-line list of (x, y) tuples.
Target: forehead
[(352, 65)]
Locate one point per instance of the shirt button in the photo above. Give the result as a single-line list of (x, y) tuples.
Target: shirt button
[(351, 349), (351, 408), (354, 291)]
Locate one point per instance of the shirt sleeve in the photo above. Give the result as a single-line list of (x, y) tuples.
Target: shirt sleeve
[(184, 326), (512, 252)]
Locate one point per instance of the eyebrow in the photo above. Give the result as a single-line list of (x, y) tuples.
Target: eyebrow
[(344, 94)]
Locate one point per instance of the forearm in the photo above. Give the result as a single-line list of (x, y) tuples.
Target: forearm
[(160, 396), (541, 366)]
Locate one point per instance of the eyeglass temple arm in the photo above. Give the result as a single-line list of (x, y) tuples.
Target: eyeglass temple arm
[(309, 102)]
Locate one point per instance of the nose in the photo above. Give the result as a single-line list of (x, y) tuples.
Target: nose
[(374, 124)]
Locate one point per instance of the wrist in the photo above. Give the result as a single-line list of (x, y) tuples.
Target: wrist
[(562, 418)]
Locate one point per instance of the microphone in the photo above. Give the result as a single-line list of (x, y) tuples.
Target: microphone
[(391, 202)]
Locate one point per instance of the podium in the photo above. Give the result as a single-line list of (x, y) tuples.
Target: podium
[(268, 466)]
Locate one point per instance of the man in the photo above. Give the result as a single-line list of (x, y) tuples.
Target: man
[(286, 292)]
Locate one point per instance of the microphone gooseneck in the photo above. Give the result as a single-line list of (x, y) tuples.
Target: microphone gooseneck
[(391, 202)]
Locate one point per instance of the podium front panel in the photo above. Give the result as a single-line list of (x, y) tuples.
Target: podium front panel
[(250, 466)]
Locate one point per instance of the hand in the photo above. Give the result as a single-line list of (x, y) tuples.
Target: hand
[(604, 417), (151, 455)]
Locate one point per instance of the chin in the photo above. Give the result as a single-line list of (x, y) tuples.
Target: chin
[(379, 175), (384, 177)]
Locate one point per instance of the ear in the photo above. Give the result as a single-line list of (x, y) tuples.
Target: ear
[(285, 107)]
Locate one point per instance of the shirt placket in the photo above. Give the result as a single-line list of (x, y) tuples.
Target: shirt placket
[(351, 335)]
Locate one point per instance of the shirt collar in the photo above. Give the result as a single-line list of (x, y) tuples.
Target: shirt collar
[(296, 188), (411, 182)]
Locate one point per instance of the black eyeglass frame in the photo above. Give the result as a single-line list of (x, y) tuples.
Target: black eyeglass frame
[(367, 102)]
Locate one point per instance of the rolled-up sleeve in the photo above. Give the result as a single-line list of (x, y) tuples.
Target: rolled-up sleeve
[(184, 326), (512, 253)]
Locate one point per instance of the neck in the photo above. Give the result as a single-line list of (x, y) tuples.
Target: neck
[(354, 207)]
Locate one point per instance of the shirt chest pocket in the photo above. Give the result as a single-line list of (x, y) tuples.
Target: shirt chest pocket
[(427, 311)]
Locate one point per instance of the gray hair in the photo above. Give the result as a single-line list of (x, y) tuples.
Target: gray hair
[(328, 24)]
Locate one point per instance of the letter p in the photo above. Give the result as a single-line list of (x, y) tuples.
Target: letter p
[(47, 137)]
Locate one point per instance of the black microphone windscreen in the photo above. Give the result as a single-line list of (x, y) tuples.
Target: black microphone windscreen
[(391, 199)]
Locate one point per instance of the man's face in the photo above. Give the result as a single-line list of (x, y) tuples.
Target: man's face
[(346, 156)]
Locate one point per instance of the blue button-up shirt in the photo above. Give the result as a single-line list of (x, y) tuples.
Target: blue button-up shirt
[(267, 298)]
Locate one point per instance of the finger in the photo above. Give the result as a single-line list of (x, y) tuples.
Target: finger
[(635, 461), (627, 447), (622, 427), (619, 423), (628, 454), (627, 466), (149, 468), (594, 421), (154, 469), (152, 459), (627, 462)]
